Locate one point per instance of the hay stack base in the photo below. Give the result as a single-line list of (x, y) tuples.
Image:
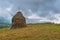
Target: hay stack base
[(18, 21)]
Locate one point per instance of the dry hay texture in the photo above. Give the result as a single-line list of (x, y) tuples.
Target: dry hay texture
[(18, 20)]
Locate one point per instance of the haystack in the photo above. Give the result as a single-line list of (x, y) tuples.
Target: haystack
[(18, 20)]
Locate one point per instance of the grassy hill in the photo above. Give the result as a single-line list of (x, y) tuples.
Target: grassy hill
[(43, 31)]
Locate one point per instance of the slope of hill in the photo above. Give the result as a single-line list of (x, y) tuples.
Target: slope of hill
[(32, 32)]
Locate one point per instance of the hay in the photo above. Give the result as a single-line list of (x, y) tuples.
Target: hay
[(18, 20)]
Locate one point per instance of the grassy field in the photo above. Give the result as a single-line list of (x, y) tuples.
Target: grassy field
[(42, 31)]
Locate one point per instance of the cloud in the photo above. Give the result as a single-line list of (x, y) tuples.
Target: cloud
[(33, 10), (50, 17), (32, 0), (34, 16), (57, 20), (9, 8), (5, 14), (38, 19)]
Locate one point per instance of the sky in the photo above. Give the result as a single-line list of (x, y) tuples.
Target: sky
[(35, 11)]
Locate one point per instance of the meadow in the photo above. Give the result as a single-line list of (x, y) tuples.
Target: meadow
[(39, 31)]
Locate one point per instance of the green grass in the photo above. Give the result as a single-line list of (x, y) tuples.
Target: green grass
[(43, 31)]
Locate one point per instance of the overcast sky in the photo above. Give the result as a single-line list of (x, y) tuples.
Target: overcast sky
[(35, 11)]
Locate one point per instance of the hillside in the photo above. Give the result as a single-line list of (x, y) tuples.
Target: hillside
[(32, 32)]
